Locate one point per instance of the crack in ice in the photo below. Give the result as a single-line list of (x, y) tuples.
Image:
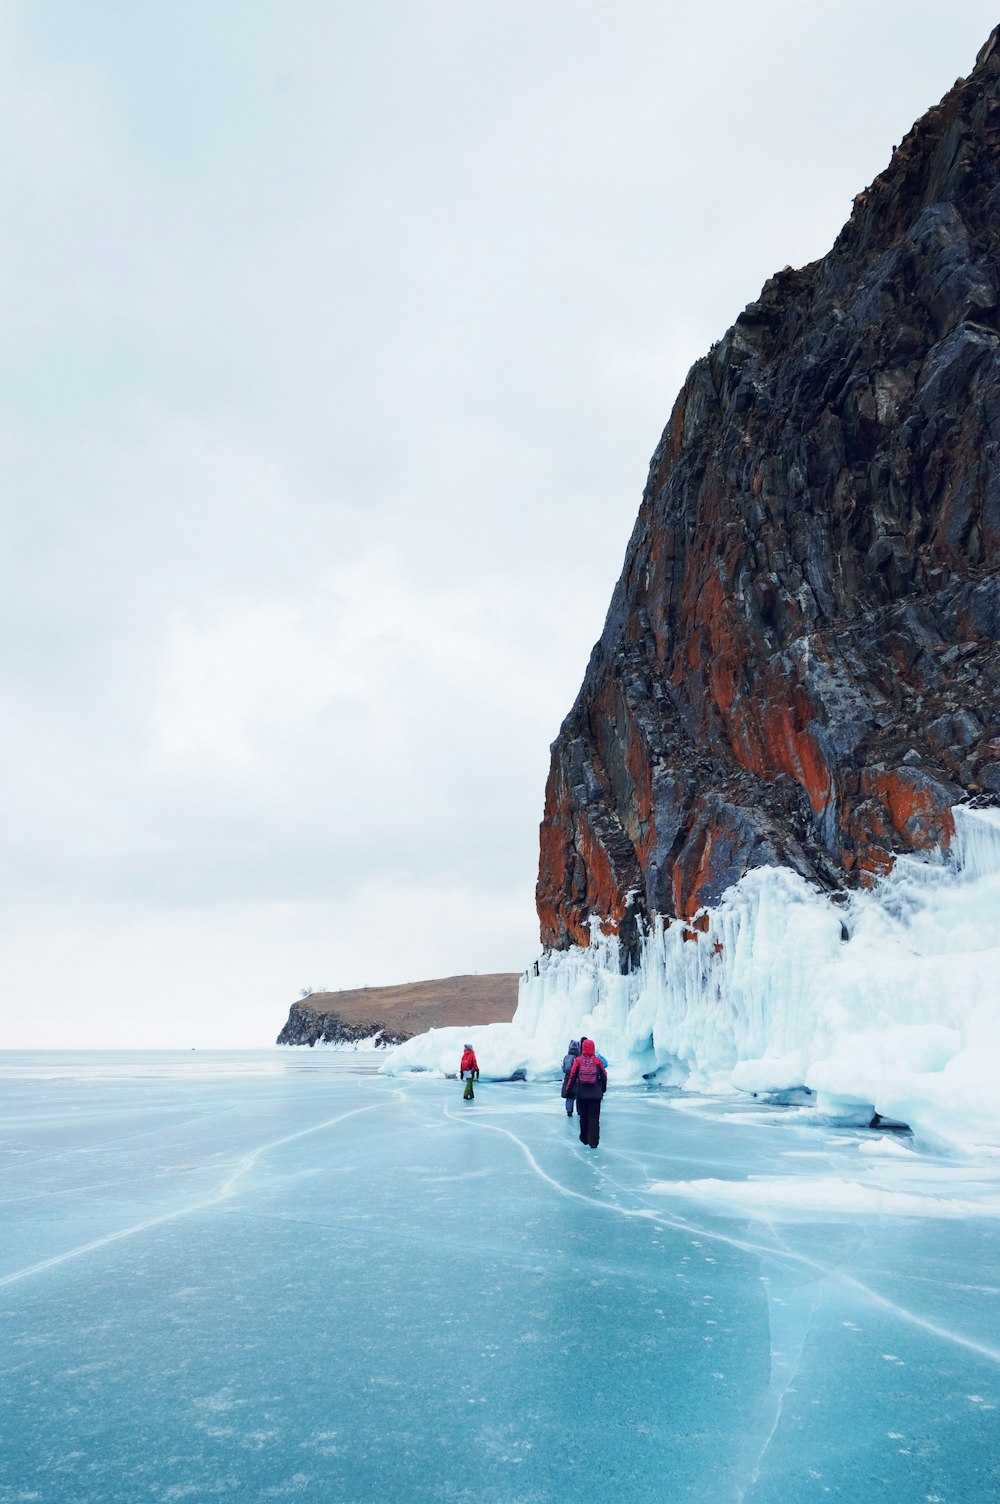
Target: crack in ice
[(243, 1167), (744, 1245), (791, 1372)]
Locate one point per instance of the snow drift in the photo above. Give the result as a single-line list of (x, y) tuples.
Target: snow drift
[(887, 1002)]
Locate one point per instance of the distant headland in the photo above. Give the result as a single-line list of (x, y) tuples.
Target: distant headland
[(389, 1015)]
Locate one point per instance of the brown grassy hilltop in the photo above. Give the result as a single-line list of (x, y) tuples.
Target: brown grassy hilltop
[(399, 1012)]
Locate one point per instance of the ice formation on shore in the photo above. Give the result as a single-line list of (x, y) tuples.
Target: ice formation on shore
[(887, 1002)]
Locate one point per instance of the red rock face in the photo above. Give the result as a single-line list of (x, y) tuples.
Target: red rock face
[(800, 662)]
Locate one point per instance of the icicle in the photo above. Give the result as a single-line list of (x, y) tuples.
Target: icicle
[(977, 840)]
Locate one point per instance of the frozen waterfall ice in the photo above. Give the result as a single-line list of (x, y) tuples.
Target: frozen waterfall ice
[(887, 1002)]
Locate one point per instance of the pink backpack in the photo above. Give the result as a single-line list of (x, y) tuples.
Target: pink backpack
[(587, 1071)]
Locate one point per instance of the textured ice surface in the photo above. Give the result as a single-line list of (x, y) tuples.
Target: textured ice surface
[(886, 1003), (286, 1276)]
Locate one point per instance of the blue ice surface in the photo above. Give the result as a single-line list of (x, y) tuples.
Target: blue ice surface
[(279, 1275)]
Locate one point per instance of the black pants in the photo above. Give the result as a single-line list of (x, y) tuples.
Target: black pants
[(590, 1120)]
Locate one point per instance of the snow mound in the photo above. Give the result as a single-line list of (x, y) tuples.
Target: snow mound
[(504, 1053)]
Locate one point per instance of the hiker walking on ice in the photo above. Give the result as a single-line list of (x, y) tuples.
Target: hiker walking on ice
[(469, 1067), (590, 1081), (567, 1065), (583, 1041)]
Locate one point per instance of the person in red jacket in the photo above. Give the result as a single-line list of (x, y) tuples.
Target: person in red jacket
[(470, 1067), (590, 1080)]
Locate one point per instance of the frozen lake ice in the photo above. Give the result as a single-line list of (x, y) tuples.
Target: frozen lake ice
[(278, 1274)]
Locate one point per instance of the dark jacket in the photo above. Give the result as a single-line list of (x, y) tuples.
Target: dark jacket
[(587, 1091), (567, 1065)]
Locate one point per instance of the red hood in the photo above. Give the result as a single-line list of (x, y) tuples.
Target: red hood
[(588, 1047)]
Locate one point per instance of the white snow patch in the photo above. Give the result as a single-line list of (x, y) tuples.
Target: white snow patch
[(370, 1044), (886, 1146), (789, 1198)]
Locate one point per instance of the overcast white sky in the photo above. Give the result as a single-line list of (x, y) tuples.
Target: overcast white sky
[(338, 334)]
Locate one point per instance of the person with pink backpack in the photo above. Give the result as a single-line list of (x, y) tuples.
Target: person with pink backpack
[(589, 1079)]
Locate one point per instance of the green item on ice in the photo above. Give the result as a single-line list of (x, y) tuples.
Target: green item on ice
[(468, 1093)]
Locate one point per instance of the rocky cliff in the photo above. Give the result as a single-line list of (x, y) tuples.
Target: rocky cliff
[(800, 660), (308, 1024)]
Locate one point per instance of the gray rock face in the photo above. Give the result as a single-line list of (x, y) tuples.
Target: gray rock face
[(305, 1026), (800, 660)]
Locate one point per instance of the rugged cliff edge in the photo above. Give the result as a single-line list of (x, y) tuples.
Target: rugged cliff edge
[(800, 664), (312, 1025)]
